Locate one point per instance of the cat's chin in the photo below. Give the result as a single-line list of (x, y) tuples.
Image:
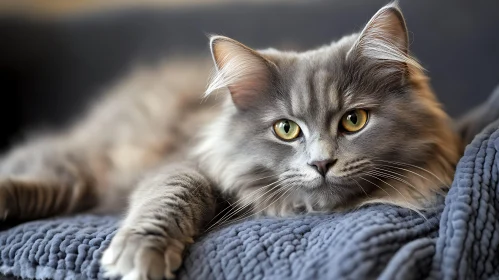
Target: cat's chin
[(336, 186), (317, 183), (328, 182)]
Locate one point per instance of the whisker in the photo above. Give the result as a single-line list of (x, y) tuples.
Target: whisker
[(383, 173), (415, 166), (288, 190), (356, 182), (390, 171), (414, 207), (234, 203), (249, 212), (379, 179), (375, 185), (248, 203), (407, 170)]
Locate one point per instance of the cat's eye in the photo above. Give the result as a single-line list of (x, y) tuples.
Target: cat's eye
[(286, 129), (354, 120)]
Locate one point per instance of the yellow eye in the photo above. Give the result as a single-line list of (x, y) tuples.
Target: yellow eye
[(354, 120), (286, 129)]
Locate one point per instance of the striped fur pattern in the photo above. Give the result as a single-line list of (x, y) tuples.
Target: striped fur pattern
[(180, 153)]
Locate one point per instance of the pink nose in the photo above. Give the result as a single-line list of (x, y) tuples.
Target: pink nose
[(323, 166)]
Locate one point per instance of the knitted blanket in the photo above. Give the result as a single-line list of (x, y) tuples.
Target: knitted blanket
[(458, 239)]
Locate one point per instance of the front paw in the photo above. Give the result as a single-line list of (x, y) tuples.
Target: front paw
[(142, 255)]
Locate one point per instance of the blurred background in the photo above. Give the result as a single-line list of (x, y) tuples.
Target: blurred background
[(56, 57)]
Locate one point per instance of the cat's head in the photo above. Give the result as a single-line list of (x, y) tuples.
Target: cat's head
[(347, 123)]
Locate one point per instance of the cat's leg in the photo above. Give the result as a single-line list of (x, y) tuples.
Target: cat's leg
[(44, 178), (167, 210)]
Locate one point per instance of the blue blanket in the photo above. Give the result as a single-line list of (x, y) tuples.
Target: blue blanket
[(458, 239)]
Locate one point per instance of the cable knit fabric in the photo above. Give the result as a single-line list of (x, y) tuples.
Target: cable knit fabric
[(457, 239)]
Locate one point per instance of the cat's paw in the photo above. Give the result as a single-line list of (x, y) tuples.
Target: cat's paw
[(137, 256)]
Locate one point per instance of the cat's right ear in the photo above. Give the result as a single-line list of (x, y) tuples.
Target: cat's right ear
[(242, 70), (384, 40)]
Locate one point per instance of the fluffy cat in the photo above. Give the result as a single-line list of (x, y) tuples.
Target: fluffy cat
[(346, 124)]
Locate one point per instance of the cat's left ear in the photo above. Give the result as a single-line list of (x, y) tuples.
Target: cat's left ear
[(246, 73), (385, 39)]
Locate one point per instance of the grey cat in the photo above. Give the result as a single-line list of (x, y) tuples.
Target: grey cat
[(277, 133)]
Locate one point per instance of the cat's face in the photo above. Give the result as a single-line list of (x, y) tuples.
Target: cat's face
[(320, 127), (327, 123)]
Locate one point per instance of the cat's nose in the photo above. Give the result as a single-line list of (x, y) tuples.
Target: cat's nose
[(323, 166)]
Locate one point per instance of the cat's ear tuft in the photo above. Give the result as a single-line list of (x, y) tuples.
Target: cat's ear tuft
[(385, 38), (242, 70)]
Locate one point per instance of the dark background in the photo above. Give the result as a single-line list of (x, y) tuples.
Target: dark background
[(51, 69)]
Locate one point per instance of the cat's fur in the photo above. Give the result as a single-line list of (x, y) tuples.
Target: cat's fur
[(140, 137)]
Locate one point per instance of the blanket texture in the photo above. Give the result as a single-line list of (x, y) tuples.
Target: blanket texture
[(458, 239)]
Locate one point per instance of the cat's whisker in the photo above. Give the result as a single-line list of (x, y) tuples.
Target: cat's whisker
[(288, 190), (249, 212), (248, 204), (234, 212), (374, 184), (231, 206), (259, 188), (279, 183), (364, 191), (399, 174), (372, 174), (413, 187), (387, 175), (280, 193), (412, 206), (247, 183), (391, 171), (407, 170), (395, 176), (414, 166)]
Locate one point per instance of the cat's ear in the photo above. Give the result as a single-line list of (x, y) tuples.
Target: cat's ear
[(385, 39), (245, 72)]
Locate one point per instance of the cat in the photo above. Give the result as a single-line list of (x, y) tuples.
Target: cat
[(276, 133)]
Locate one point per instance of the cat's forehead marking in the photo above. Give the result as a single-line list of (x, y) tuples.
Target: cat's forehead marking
[(333, 99), (314, 96), (327, 98), (314, 83)]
